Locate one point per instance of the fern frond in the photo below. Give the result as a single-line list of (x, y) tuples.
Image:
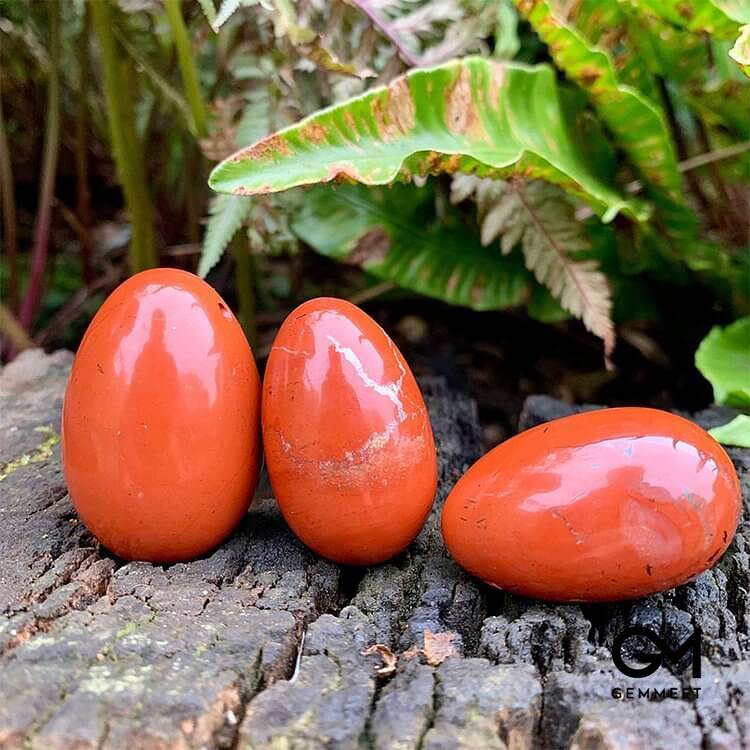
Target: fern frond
[(226, 10), (228, 212), (539, 217), (434, 30)]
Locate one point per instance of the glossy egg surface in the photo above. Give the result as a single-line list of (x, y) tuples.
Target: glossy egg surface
[(161, 420), (599, 506), (347, 436)]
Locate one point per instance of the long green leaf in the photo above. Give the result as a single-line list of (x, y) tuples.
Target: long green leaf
[(390, 233), (188, 69), (637, 123), (612, 26), (717, 17), (472, 115), (125, 144)]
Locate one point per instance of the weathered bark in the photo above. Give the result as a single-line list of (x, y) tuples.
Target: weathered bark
[(261, 644)]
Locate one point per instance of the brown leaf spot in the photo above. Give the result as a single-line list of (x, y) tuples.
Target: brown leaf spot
[(477, 290), (394, 110), (432, 163), (589, 75), (496, 83), (455, 277), (438, 647), (388, 657), (401, 104), (350, 123), (685, 11), (460, 108), (341, 173), (314, 132), (260, 190), (451, 163), (570, 10), (372, 247), (268, 148)]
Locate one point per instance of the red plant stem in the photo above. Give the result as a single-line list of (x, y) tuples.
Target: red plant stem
[(387, 31), (9, 215), (33, 296), (83, 192)]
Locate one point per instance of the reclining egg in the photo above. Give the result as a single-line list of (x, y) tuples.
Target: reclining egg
[(599, 506)]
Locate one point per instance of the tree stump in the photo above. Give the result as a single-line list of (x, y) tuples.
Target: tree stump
[(263, 645)]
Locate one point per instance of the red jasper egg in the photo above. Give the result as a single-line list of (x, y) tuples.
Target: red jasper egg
[(347, 437), (160, 433), (599, 506)]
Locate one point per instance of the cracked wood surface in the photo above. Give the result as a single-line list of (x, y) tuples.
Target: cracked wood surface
[(261, 644)]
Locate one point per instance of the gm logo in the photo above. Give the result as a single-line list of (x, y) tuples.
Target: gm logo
[(661, 651)]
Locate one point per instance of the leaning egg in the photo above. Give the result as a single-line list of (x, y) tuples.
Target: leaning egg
[(160, 434), (347, 436)]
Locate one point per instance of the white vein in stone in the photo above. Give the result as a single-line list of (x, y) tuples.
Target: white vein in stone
[(390, 391)]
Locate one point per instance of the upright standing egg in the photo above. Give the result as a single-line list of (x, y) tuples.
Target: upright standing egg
[(600, 506), (347, 436), (160, 433)]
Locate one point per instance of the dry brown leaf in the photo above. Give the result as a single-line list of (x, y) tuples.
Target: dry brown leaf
[(438, 647), (388, 657)]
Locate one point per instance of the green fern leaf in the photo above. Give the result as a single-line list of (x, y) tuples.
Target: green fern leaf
[(209, 10), (537, 216), (392, 234), (228, 212)]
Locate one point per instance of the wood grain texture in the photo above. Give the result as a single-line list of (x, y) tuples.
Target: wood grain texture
[(260, 645)]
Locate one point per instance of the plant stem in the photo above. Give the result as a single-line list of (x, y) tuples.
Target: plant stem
[(75, 305), (193, 182), (83, 193), (244, 284), (711, 157), (14, 331), (681, 146), (128, 157), (187, 67), (10, 241), (387, 31), (33, 295), (372, 292), (694, 162)]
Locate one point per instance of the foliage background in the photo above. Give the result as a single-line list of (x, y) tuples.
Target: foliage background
[(114, 112)]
